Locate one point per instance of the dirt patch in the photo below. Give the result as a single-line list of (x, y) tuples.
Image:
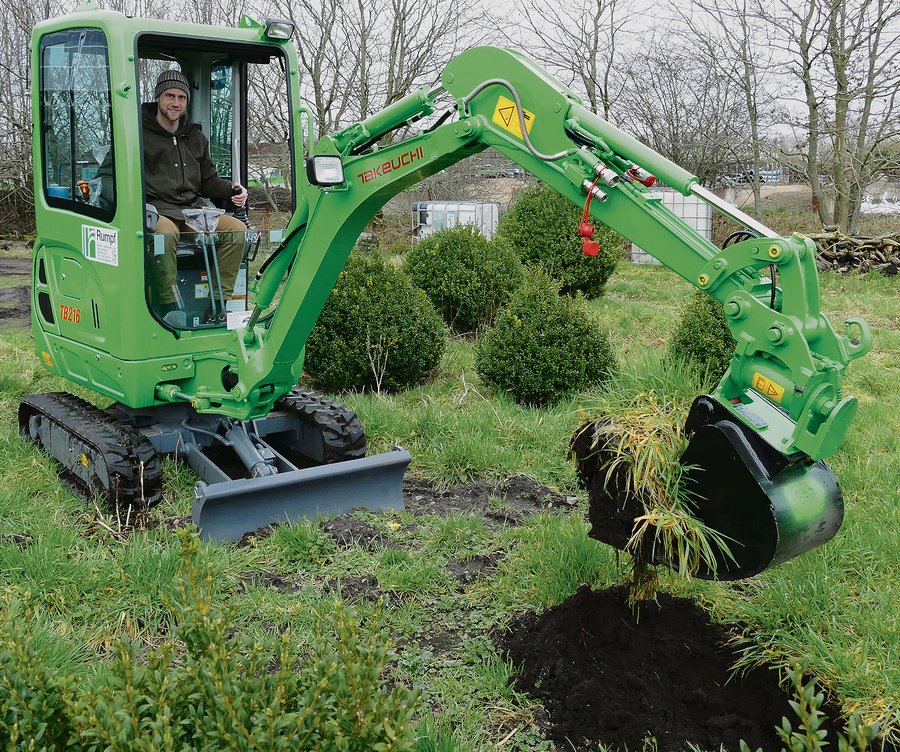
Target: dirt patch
[(269, 580), (15, 267), (363, 588), (509, 502), (348, 531), (605, 677), (176, 523), (251, 538), (15, 307), (15, 301), (469, 570), (20, 540), (440, 642)]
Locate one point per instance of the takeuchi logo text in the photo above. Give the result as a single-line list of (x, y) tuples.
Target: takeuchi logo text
[(390, 165)]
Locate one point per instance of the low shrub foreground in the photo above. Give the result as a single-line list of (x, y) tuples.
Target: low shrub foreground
[(544, 345), (209, 688), (377, 330)]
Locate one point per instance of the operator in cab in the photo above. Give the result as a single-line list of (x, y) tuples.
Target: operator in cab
[(178, 174)]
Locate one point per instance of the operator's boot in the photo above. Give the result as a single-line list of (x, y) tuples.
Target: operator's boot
[(217, 317)]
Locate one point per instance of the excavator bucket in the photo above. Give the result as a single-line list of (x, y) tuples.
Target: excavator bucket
[(766, 507)]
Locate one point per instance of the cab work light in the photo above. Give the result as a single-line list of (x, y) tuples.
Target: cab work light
[(279, 28), (325, 170)]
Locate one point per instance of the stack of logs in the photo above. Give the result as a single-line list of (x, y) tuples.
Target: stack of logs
[(844, 253)]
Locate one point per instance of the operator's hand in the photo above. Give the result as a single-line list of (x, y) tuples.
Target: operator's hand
[(239, 199)]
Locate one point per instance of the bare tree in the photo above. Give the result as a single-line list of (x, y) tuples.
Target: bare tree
[(685, 108), (328, 57), (421, 38), (140, 8), (844, 57), (735, 42), (584, 44), (16, 199), (359, 57)]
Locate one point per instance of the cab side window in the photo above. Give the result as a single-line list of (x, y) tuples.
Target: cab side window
[(221, 119), (76, 123)]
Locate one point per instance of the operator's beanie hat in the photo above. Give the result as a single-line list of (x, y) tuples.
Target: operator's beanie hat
[(172, 79)]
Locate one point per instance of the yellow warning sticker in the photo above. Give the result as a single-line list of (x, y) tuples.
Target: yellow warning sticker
[(47, 359), (767, 388), (506, 115)]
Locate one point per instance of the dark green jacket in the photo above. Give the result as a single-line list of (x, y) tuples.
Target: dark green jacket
[(178, 169)]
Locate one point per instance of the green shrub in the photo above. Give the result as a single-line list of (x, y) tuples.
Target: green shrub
[(812, 733), (543, 345), (702, 337), (34, 697), (376, 330), (211, 690), (542, 227), (466, 276), (396, 249)]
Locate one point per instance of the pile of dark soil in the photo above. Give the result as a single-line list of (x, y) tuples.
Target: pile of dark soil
[(606, 677)]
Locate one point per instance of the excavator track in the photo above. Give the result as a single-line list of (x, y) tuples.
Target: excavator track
[(99, 456), (331, 431)]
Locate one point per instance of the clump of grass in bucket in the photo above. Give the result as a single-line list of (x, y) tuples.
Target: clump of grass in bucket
[(645, 441)]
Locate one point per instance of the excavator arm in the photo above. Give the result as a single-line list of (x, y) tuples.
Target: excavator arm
[(758, 440), (784, 382)]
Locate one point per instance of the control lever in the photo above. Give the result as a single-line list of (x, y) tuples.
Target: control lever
[(240, 212)]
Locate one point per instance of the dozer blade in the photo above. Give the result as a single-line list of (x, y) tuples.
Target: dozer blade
[(227, 510), (768, 508)]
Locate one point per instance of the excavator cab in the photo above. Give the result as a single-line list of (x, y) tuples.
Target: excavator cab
[(84, 173), (227, 81)]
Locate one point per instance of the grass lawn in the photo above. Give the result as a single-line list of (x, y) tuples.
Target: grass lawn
[(83, 587)]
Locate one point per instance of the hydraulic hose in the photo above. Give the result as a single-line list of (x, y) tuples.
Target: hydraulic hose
[(519, 111)]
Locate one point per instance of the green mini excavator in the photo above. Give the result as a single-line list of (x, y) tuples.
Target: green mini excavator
[(220, 391)]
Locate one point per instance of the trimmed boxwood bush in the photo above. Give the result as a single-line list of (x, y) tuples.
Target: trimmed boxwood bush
[(376, 330), (702, 337), (543, 345), (466, 276), (542, 227)]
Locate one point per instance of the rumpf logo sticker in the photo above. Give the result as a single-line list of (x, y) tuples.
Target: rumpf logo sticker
[(100, 244)]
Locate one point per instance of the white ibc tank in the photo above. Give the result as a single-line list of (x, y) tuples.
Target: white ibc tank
[(692, 209), (431, 216)]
